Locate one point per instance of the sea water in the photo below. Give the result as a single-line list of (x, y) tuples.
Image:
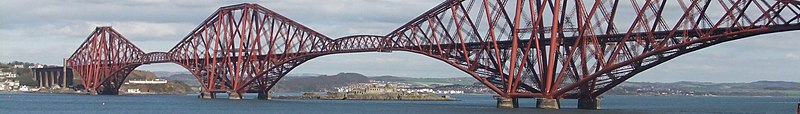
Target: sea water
[(468, 104)]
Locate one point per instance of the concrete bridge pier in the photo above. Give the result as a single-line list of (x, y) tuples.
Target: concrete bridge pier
[(264, 96), (234, 96), (547, 103), (589, 103), (506, 102), (207, 95)]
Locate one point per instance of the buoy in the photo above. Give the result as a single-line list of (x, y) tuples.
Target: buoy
[(104, 103)]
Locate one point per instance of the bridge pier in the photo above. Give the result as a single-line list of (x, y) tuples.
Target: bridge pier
[(505, 102), (588, 103), (234, 96), (106, 92), (264, 96), (207, 95), (547, 103)]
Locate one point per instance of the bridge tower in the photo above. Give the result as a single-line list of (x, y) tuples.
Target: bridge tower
[(245, 48), (104, 60), (544, 49)]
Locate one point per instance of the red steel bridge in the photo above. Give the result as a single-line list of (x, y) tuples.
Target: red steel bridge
[(545, 49)]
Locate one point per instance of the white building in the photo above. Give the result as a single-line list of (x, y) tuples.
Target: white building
[(449, 92), (136, 90), (156, 81), (7, 81), (37, 66), (27, 89), (9, 85), (7, 74)]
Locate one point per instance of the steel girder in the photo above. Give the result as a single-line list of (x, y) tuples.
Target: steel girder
[(557, 46), (241, 44), (104, 60), (523, 48)]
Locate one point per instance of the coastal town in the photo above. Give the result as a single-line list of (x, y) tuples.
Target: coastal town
[(9, 78), (21, 77), (42, 78), (380, 90)]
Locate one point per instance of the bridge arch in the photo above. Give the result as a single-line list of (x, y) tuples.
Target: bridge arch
[(527, 48)]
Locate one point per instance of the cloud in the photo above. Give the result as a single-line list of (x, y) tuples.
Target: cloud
[(143, 31), (133, 30), (792, 56)]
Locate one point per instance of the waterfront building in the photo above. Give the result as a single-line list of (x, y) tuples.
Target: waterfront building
[(133, 90), (8, 81), (156, 81)]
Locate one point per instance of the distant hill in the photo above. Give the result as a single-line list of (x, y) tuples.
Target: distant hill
[(171, 87), (186, 78), (758, 88), (318, 83), (308, 82), (758, 85), (304, 83), (167, 73), (303, 74)]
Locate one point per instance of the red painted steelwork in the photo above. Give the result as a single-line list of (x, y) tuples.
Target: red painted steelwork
[(524, 48), (104, 60)]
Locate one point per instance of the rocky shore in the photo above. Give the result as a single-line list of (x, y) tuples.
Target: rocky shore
[(60, 91)]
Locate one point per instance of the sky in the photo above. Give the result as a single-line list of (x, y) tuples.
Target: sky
[(46, 31)]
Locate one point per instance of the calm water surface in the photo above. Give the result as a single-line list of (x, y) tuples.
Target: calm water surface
[(469, 104)]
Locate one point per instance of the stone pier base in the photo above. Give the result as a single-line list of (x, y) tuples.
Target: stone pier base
[(207, 95), (234, 96), (264, 96), (588, 103), (505, 102), (545, 103)]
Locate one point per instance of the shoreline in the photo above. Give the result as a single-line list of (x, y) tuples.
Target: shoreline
[(69, 91), (279, 97), (373, 96)]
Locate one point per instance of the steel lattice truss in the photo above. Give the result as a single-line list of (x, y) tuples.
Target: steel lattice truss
[(523, 48), (104, 60)]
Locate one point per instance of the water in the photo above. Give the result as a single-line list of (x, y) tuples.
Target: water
[(66, 103)]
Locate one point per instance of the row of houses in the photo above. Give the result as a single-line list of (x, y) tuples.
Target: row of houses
[(31, 66), (8, 81)]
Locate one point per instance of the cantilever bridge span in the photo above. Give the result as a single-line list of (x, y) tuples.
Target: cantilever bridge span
[(546, 49)]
